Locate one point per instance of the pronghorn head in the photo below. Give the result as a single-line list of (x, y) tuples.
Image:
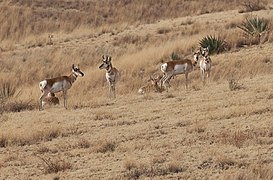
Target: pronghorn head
[(76, 71), (106, 62), (154, 79), (196, 55), (204, 51)]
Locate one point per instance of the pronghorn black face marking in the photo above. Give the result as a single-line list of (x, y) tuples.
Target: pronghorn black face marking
[(76, 70), (196, 57), (106, 62), (204, 51)]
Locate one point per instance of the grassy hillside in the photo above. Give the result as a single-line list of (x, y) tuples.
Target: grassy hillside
[(214, 131)]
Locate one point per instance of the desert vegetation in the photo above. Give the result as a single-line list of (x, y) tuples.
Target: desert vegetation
[(218, 130)]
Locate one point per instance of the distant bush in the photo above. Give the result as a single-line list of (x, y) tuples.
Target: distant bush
[(215, 44), (252, 5), (254, 27)]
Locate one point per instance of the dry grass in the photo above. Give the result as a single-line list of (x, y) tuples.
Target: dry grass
[(33, 137), (214, 131), (54, 165)]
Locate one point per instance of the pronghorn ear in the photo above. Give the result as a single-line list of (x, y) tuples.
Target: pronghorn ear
[(109, 58)]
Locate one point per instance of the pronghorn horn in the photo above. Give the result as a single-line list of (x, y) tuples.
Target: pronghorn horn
[(73, 66), (78, 65)]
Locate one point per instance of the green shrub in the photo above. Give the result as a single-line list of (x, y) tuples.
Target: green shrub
[(254, 27), (215, 44), (174, 56)]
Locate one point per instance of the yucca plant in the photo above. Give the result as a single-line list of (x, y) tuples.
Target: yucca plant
[(215, 44), (174, 56), (254, 26)]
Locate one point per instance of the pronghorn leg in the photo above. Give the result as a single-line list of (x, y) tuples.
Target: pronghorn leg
[(114, 90), (65, 98), (203, 76), (110, 90), (167, 80), (186, 79), (41, 99)]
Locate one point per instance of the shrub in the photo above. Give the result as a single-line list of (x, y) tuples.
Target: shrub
[(174, 56), (254, 27), (215, 44), (55, 165), (7, 89), (252, 5), (105, 146), (233, 84)]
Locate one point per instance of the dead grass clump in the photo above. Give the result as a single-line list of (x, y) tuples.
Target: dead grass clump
[(128, 39), (159, 159), (18, 106), (105, 146), (55, 165), (42, 149), (83, 143), (101, 115), (255, 171), (237, 138), (252, 5), (129, 164), (135, 171), (174, 167), (3, 140), (163, 30), (7, 89), (234, 85), (224, 162)]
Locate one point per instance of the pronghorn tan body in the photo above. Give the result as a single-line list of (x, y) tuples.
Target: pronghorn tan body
[(205, 63), (50, 99), (112, 74), (173, 68), (62, 83), (153, 85)]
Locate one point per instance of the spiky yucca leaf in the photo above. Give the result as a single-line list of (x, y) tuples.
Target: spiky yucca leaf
[(254, 26), (215, 44)]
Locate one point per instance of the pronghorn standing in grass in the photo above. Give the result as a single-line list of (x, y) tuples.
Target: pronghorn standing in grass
[(173, 68), (205, 63), (112, 74), (62, 83)]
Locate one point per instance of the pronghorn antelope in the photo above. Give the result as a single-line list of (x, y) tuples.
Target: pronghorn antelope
[(205, 63), (205, 66), (50, 99), (112, 74), (153, 84), (173, 68), (62, 83)]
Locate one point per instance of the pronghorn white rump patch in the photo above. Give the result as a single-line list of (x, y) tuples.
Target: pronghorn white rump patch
[(164, 67), (42, 85)]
